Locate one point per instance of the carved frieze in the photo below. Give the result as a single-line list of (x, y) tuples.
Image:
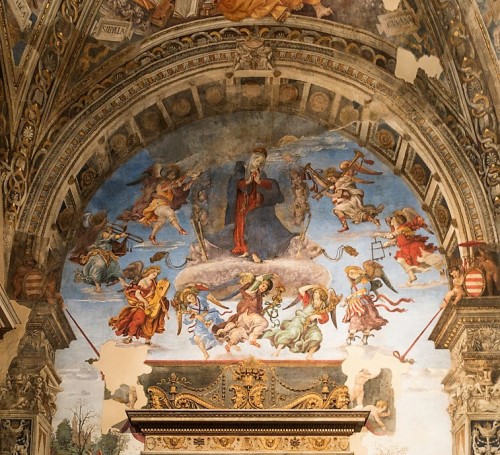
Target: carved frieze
[(249, 385), (234, 444)]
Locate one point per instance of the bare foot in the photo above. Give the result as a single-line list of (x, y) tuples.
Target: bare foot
[(244, 255), (345, 228), (152, 238), (182, 232), (256, 258), (276, 354), (254, 343)]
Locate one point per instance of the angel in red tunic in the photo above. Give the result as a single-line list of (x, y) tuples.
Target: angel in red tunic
[(415, 255), (147, 307)]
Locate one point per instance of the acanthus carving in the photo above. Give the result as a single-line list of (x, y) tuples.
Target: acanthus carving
[(483, 339), (475, 89), (247, 444), (22, 161), (476, 384), (253, 54), (485, 437), (248, 383), (30, 392), (15, 436)]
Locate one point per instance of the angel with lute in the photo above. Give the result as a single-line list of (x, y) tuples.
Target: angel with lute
[(301, 334)]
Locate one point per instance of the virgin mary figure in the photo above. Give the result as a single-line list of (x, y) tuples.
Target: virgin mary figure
[(252, 228)]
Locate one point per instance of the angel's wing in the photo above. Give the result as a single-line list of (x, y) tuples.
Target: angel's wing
[(133, 271), (375, 272), (412, 216), (320, 181), (333, 301), (151, 172), (179, 310)]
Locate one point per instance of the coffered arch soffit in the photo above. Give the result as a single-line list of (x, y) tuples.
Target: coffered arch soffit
[(331, 74)]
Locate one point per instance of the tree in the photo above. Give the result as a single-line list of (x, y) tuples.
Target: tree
[(63, 434), (112, 443), (83, 427)]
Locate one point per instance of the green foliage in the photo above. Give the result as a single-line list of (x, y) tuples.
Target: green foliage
[(63, 435)]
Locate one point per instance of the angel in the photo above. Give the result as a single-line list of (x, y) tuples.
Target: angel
[(301, 334), (149, 179), (457, 291), (98, 251), (347, 198), (165, 194), (249, 323), (361, 308), (193, 308), (147, 308), (415, 254)]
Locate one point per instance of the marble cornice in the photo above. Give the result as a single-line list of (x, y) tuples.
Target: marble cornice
[(468, 313), (8, 316), (226, 422)]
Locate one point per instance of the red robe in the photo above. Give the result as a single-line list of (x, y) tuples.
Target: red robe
[(247, 199)]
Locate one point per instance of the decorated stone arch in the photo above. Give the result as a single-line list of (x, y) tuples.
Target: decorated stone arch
[(297, 141)]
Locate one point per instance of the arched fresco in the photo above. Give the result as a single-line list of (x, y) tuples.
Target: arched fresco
[(106, 100), (319, 207)]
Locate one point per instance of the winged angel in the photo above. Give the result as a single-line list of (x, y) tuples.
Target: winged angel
[(415, 254), (302, 334), (340, 187), (193, 305), (361, 305), (164, 191)]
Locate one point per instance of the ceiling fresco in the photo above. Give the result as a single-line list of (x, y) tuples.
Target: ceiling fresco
[(119, 24), (271, 273)]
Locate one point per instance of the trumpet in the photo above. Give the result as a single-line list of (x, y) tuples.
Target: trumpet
[(122, 229)]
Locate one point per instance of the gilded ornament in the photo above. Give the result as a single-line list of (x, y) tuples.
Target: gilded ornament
[(288, 93), (442, 215), (319, 102), (418, 173), (252, 91), (150, 121), (118, 142), (385, 138), (214, 95), (181, 107)]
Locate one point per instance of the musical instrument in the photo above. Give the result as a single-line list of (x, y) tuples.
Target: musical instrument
[(122, 229)]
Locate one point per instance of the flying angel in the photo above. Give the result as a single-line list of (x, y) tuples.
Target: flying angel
[(194, 309), (302, 334), (361, 305), (340, 187)]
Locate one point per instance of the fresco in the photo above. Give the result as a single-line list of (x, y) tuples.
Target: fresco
[(291, 250), (121, 22), (22, 16), (490, 11)]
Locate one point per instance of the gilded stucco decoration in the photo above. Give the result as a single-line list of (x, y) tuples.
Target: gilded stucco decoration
[(112, 107), (251, 385)]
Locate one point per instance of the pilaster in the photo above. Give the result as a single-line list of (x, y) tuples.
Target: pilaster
[(471, 331), (28, 393)]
